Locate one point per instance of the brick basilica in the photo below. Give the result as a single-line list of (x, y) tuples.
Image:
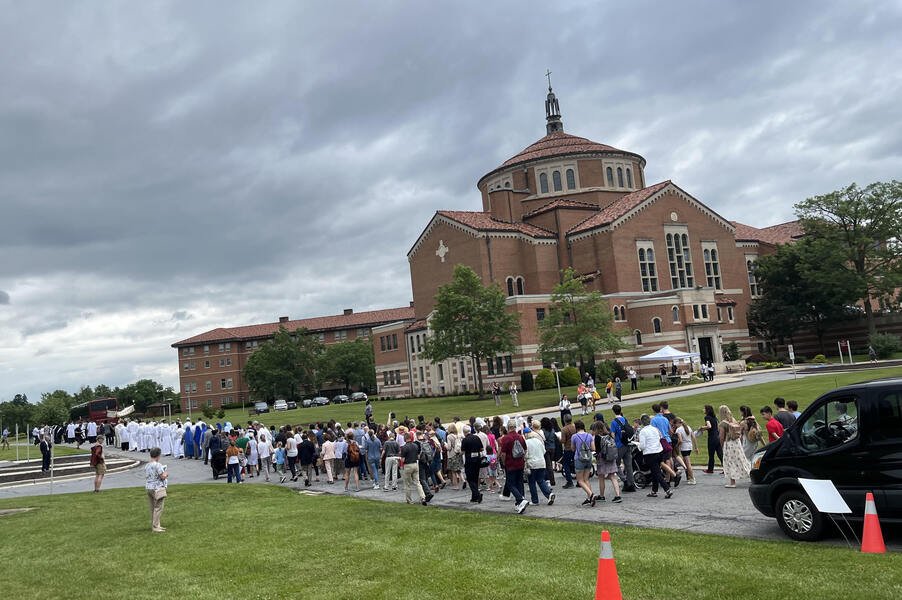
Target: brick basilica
[(674, 271)]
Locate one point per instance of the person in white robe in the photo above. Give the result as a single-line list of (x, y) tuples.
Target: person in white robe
[(133, 428), (175, 435), (165, 437), (122, 436)]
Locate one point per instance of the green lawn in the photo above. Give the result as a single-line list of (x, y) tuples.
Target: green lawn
[(268, 542), (35, 454)]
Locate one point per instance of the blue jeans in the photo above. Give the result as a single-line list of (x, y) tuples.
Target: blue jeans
[(374, 468), (361, 467), (234, 471), (537, 476), (514, 480), (567, 466)]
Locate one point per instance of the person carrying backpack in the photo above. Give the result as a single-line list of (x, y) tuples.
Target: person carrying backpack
[(352, 461), (605, 460), (622, 433)]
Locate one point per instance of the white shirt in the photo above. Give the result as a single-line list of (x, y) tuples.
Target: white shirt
[(92, 428), (291, 447), (535, 452), (70, 430), (650, 440), (685, 438), (564, 404)]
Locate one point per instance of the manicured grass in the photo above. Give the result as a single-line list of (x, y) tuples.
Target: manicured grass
[(34, 453), (447, 408), (267, 542)]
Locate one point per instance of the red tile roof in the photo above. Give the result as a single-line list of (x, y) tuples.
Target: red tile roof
[(418, 325), (557, 144), (618, 208), (783, 233), (561, 203), (483, 221), (362, 319), (723, 300)]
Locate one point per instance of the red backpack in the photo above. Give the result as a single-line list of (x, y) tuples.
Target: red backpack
[(353, 453)]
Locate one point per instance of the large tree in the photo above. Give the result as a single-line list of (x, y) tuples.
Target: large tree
[(804, 285), (865, 224), (17, 411), (578, 326), (470, 320), (352, 363), (143, 393), (285, 366)]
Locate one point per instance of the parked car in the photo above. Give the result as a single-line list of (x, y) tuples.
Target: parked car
[(261, 407), (292, 405), (340, 399), (358, 397), (280, 404), (307, 402), (320, 401), (851, 436)]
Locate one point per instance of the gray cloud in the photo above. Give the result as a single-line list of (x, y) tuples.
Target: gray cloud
[(176, 167)]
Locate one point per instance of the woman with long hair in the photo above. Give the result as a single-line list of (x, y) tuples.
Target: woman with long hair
[(652, 450), (606, 460), (714, 446), (686, 442), (749, 432), (735, 464)]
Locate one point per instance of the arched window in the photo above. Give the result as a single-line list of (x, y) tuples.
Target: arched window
[(543, 183), (629, 178), (641, 255), (520, 286), (619, 177), (656, 324), (616, 313), (556, 180), (510, 286), (622, 312), (610, 172), (638, 337), (676, 314), (571, 179)]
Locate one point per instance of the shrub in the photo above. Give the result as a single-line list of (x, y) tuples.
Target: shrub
[(885, 344), (758, 358), (609, 369), (819, 359), (544, 379), (731, 351), (570, 376), (208, 412), (526, 382), (220, 414)]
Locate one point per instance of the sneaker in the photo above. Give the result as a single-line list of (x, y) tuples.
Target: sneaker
[(599, 498), (677, 479), (375, 486), (567, 486), (730, 485), (586, 501), (691, 482), (424, 502), (617, 500), (394, 488), (306, 483), (429, 497), (629, 488), (551, 499), (668, 494), (479, 499), (533, 503), (652, 495), (385, 489), (592, 501), (522, 506), (708, 471)]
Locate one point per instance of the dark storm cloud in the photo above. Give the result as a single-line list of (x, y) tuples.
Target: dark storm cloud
[(170, 168)]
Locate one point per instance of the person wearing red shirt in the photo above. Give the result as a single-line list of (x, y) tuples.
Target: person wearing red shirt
[(513, 463), (774, 427)]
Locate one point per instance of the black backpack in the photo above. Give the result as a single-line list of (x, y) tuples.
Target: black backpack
[(558, 448), (626, 430)]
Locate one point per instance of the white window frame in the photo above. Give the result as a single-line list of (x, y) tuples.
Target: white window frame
[(651, 268), (682, 276), (711, 259)]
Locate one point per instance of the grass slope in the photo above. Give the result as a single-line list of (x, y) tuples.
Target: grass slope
[(267, 542), (34, 453)]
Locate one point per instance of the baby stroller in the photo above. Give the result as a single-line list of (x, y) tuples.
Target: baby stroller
[(218, 463), (641, 470)]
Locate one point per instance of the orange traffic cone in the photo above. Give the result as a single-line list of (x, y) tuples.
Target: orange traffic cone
[(872, 537), (607, 584)]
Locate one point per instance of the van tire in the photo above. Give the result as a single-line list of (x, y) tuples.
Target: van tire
[(798, 517)]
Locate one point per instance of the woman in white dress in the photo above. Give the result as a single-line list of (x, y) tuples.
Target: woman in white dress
[(735, 464)]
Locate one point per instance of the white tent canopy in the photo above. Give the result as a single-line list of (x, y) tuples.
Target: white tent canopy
[(669, 354)]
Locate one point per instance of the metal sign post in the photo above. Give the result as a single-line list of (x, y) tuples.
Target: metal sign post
[(849, 348), (792, 358), (17, 442)]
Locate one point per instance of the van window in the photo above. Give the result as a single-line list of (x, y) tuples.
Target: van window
[(832, 424), (889, 418)]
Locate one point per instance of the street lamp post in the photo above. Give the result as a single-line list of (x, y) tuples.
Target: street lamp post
[(558, 379), (188, 396)]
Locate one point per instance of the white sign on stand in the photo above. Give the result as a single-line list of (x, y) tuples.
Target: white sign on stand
[(825, 496)]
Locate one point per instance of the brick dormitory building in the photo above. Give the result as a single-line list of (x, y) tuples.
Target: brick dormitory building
[(674, 271)]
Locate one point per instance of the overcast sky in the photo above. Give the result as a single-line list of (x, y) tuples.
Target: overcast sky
[(169, 168)]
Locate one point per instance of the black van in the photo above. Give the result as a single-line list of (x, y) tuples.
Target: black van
[(851, 436)]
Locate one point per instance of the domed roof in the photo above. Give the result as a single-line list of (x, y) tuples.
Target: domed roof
[(557, 144)]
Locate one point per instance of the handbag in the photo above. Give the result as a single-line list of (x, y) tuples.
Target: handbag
[(159, 493)]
